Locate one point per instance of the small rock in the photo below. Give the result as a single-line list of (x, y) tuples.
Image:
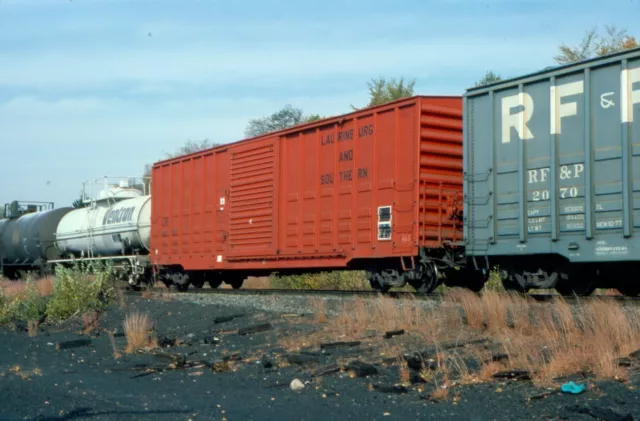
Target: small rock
[(301, 359), (296, 385)]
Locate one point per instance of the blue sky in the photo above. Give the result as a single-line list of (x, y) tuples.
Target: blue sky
[(102, 87)]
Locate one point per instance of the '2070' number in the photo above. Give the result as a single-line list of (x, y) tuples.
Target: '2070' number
[(565, 192)]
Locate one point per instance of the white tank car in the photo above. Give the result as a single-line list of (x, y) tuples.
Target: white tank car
[(116, 223)]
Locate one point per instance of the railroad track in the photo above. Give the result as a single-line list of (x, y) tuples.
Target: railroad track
[(366, 294)]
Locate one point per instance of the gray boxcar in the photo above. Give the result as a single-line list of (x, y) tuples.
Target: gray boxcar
[(552, 176)]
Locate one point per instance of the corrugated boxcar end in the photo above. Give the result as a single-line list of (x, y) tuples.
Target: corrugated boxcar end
[(552, 173), (440, 187)]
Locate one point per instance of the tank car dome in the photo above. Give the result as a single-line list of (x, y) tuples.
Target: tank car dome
[(122, 191)]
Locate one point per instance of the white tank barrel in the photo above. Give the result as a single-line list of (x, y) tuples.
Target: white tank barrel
[(106, 230)]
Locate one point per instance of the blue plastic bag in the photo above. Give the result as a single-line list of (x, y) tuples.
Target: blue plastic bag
[(573, 388)]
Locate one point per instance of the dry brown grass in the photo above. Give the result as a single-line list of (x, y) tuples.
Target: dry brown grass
[(32, 327), (139, 330), (112, 340), (554, 339), (549, 340), (91, 322), (17, 288)]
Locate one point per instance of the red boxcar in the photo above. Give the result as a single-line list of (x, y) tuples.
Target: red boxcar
[(375, 189)]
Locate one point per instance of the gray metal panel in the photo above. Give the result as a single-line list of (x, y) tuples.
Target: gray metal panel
[(560, 155)]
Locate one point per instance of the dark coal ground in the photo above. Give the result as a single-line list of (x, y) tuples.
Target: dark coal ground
[(224, 375)]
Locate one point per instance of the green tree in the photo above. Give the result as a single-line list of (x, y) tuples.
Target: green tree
[(78, 202), (594, 45), (382, 91), (282, 119), (488, 78), (191, 147)]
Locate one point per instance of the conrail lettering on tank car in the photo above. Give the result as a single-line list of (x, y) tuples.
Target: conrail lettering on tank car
[(118, 216), (629, 95)]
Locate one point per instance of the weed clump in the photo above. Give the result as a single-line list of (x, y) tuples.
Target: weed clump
[(80, 290), (139, 331), (334, 280)]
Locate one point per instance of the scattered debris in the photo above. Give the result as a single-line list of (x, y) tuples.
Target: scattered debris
[(499, 357), (301, 359), (397, 389), (76, 343), (254, 329), (393, 333), (225, 319), (333, 345), (419, 360), (513, 374), (361, 369), (624, 362), (573, 388), (542, 395), (178, 360)]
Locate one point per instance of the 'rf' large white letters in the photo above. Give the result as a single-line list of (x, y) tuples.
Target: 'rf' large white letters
[(559, 110), (628, 96), (518, 120)]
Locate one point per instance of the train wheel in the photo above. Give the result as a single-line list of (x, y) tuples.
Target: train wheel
[(181, 281), (214, 283), (428, 282), (629, 289), (510, 283), (580, 282), (182, 287), (377, 286)]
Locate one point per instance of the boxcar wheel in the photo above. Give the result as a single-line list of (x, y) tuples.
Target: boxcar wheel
[(428, 282), (509, 283), (182, 287), (236, 283), (377, 286), (630, 290), (580, 282), (214, 283)]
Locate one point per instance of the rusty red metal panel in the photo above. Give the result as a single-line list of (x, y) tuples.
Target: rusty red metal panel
[(440, 173), (252, 215), (379, 182)]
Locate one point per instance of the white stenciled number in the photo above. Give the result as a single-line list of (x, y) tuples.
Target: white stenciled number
[(541, 195), (573, 192), (565, 192)]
